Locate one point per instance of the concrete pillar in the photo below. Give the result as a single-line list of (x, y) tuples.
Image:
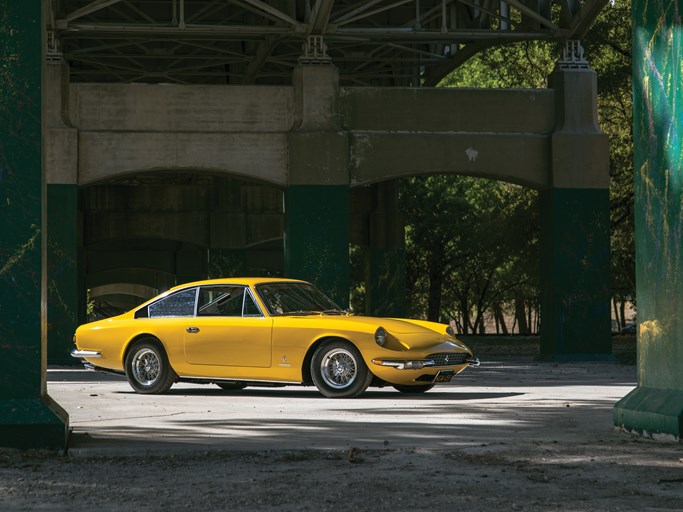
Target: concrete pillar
[(66, 294), (385, 263), (655, 406), (29, 418), (317, 198), (575, 243)]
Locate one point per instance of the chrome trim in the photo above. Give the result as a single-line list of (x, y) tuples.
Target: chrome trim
[(473, 362), (85, 353), (229, 380), (401, 365)]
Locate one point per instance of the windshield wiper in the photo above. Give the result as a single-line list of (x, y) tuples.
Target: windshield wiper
[(300, 313), (336, 312)]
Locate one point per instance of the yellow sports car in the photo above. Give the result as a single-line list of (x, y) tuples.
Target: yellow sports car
[(242, 332)]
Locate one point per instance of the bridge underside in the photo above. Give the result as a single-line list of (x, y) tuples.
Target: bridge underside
[(188, 138), (164, 184)]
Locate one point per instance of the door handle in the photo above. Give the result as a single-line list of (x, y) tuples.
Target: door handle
[(192, 330)]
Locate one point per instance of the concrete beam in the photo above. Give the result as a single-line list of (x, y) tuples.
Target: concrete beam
[(513, 157), (181, 108), (104, 155), (491, 111)]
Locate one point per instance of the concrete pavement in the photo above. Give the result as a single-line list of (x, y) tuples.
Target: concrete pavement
[(506, 398)]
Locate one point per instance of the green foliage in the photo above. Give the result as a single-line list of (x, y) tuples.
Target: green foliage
[(472, 244)]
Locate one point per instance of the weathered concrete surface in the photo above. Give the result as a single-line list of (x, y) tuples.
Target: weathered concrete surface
[(100, 131), (503, 400)]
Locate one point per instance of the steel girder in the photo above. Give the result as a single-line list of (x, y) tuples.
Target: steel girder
[(371, 42)]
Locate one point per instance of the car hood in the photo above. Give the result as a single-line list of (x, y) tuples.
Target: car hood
[(411, 334)]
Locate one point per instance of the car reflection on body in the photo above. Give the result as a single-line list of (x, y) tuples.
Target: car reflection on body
[(242, 332)]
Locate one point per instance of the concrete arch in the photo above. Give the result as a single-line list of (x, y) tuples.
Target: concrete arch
[(499, 134), (104, 156), (513, 158)]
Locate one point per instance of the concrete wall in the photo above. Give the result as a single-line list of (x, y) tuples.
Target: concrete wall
[(113, 130)]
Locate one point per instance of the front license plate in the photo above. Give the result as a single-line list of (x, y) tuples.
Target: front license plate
[(444, 376)]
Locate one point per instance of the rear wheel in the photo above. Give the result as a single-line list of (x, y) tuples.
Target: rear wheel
[(148, 369), (421, 388), (338, 370)]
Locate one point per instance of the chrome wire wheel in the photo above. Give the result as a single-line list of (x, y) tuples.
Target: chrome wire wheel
[(146, 366), (338, 368)]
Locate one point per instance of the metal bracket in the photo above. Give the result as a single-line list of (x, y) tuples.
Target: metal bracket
[(314, 51), (572, 57), (52, 51)]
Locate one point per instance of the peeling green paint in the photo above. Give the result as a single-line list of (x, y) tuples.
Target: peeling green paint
[(21, 252), (656, 405), (28, 417)]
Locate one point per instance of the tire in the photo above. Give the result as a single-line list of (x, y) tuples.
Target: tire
[(421, 388), (338, 370), (230, 386), (147, 368)]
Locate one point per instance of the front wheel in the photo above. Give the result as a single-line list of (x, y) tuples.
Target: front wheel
[(338, 370), (421, 388), (147, 368)]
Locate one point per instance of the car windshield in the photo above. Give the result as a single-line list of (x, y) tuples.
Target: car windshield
[(296, 299)]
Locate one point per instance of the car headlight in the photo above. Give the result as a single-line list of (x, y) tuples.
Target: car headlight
[(381, 336), (450, 331)]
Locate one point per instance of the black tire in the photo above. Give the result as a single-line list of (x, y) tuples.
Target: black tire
[(420, 388), (147, 368), (230, 386), (338, 370)]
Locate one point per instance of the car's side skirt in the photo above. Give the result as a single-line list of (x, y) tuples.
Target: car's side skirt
[(255, 382)]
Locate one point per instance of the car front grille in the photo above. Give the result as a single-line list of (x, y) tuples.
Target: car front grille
[(449, 358)]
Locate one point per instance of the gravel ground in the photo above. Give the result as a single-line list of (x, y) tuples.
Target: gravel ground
[(608, 475)]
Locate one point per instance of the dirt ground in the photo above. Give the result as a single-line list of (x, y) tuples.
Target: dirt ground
[(633, 474), (596, 470)]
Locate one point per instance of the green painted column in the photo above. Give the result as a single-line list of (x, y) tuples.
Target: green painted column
[(66, 291), (317, 197), (655, 407), (385, 261), (575, 243), (66, 301), (575, 270), (29, 418), (317, 238)]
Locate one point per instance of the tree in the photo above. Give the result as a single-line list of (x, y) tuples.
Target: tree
[(473, 278)]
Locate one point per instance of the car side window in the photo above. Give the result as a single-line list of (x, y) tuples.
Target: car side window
[(250, 307), (226, 301), (178, 304)]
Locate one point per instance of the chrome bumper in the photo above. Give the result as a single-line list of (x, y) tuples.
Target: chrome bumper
[(85, 353), (473, 362)]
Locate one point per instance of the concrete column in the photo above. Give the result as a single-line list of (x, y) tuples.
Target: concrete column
[(66, 293), (385, 263), (29, 418), (575, 243), (317, 198), (655, 407)]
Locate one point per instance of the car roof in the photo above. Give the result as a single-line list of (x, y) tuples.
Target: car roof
[(250, 281)]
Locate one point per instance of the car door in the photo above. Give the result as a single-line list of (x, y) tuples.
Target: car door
[(229, 329)]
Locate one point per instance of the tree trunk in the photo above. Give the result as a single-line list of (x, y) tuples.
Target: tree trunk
[(500, 319), (435, 279), (520, 315)]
